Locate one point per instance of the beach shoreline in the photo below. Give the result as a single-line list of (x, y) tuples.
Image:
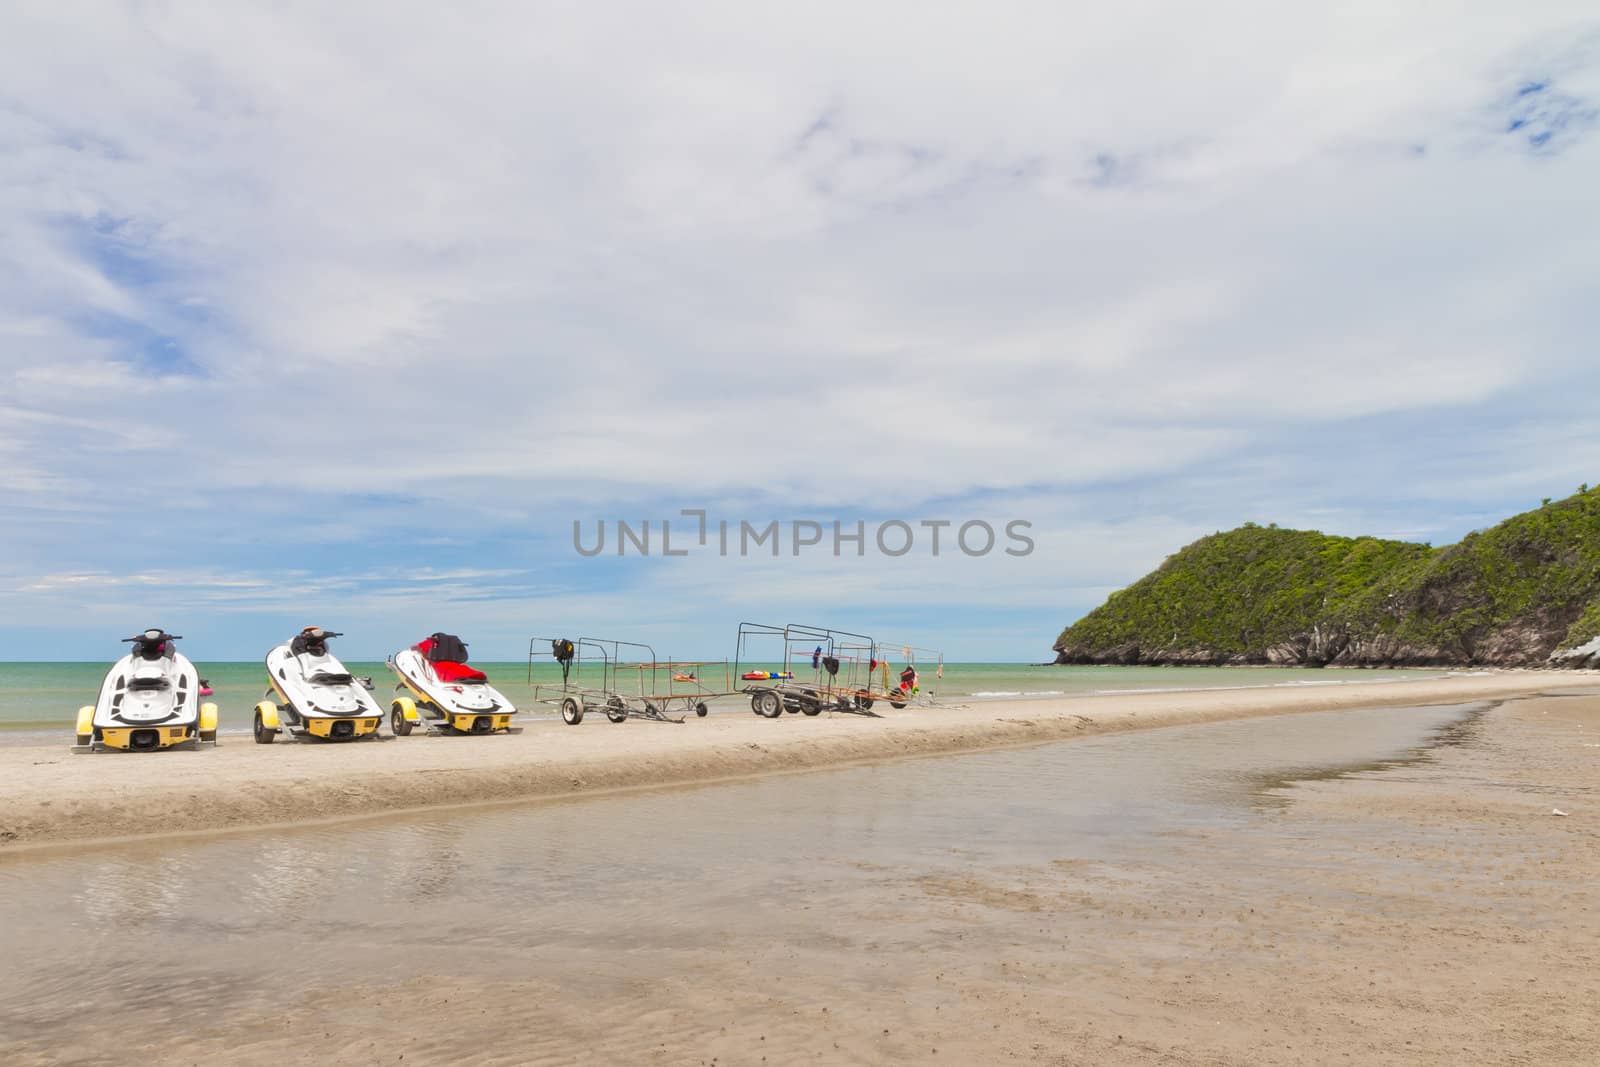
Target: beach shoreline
[(53, 798)]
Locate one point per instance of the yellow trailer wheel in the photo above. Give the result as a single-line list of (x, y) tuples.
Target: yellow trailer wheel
[(403, 716), (266, 724), (208, 723), (85, 727)]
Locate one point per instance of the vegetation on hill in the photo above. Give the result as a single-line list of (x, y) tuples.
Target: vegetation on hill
[(1510, 594)]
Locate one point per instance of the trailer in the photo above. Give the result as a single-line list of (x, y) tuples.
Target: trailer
[(645, 687), (906, 684), (837, 677)]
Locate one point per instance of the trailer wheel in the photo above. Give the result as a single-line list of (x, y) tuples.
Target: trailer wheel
[(701, 710), (897, 704), (398, 723), (571, 711), (616, 711), (812, 707), (264, 736), (864, 703), (767, 704)]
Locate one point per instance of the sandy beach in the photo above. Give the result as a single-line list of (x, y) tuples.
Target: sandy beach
[(1150, 899), (50, 796)]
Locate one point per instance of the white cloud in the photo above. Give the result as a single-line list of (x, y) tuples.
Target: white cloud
[(496, 259)]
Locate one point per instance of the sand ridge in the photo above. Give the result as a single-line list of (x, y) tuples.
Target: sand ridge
[(50, 796)]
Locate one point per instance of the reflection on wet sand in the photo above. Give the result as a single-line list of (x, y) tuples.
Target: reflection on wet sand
[(1006, 902)]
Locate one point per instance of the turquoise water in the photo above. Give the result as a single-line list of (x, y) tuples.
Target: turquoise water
[(44, 697)]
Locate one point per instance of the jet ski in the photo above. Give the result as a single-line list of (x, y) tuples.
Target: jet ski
[(312, 694), (438, 690), (149, 700)]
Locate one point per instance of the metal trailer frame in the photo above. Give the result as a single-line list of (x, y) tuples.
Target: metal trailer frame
[(772, 698), (850, 689), (646, 700), (911, 654)]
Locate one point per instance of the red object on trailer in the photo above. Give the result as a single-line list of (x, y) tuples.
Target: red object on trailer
[(449, 670)]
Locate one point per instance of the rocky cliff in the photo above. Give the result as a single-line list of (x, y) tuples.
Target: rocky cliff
[(1515, 594)]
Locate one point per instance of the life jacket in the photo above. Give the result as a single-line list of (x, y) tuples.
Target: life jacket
[(150, 650), (305, 642), (563, 651), (444, 648)]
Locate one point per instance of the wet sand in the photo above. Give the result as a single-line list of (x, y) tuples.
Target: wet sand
[(50, 796), (1234, 893)]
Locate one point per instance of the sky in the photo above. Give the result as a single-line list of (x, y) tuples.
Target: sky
[(346, 314)]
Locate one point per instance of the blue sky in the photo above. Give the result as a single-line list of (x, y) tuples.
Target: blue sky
[(345, 318)]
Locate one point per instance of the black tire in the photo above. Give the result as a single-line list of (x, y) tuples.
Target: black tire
[(264, 736), (897, 704), (768, 704), (398, 723), (864, 703), (812, 707), (701, 710), (616, 711), (571, 711)]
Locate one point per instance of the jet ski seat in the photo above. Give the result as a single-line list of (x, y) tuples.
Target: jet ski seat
[(446, 654), (450, 671)]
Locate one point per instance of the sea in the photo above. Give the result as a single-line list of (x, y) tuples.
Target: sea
[(38, 700)]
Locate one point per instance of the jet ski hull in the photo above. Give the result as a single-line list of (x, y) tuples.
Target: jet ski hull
[(465, 707), (146, 705), (314, 696)]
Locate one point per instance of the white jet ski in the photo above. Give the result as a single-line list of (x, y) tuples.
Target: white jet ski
[(312, 694), (149, 700), (438, 690)]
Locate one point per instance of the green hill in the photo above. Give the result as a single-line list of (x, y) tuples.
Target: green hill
[(1511, 594)]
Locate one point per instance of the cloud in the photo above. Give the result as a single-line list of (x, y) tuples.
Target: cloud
[(300, 289)]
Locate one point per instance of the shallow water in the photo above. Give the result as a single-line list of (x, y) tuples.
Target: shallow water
[(592, 892)]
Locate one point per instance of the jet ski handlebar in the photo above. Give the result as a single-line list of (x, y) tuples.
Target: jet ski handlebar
[(163, 636)]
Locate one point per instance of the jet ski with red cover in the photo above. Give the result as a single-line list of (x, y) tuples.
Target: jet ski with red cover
[(440, 691), (150, 699), (313, 695)]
